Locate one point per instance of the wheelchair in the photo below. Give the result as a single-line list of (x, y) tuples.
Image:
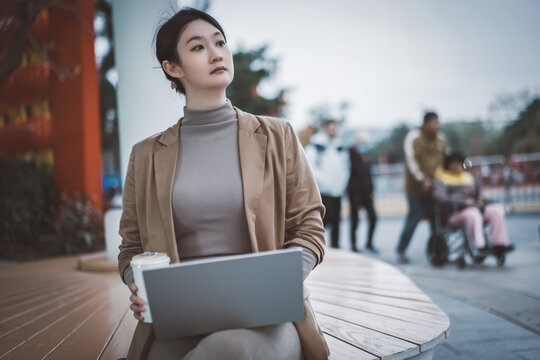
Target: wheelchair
[(450, 244)]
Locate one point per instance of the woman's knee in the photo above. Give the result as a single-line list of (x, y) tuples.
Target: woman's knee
[(472, 216), (230, 344), (494, 211), (271, 342)]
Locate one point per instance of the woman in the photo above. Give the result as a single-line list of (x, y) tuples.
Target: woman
[(219, 182), (458, 189)]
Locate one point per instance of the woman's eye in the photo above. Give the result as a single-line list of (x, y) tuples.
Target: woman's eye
[(197, 48), (221, 43)]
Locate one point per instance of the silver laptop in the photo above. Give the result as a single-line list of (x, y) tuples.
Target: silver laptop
[(229, 292)]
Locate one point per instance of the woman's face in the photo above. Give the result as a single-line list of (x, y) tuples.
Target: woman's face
[(205, 59), (455, 166)]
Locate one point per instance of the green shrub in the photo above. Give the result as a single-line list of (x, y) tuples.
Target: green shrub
[(35, 222), (78, 226)]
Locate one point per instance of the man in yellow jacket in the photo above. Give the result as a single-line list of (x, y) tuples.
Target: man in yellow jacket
[(424, 152)]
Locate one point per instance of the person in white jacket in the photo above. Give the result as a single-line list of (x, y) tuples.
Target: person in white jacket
[(329, 161)]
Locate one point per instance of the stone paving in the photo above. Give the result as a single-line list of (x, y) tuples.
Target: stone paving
[(495, 312)]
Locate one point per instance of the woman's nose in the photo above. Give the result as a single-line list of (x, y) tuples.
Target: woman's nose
[(216, 58), (215, 55)]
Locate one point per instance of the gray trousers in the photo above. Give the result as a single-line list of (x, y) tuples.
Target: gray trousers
[(269, 342)]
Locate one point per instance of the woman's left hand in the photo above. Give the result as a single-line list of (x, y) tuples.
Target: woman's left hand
[(137, 303)]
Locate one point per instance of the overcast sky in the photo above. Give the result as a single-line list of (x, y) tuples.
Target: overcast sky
[(391, 59)]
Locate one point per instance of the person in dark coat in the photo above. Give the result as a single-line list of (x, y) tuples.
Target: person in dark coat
[(360, 190)]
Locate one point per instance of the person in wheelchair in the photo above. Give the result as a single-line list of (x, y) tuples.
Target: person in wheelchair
[(458, 195)]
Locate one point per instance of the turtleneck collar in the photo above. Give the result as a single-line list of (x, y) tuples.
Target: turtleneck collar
[(207, 117)]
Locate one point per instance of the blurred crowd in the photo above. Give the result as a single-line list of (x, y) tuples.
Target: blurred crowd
[(436, 177)]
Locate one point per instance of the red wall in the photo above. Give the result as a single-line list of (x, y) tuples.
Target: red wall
[(75, 103)]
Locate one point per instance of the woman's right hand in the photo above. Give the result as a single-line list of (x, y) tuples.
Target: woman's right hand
[(137, 303)]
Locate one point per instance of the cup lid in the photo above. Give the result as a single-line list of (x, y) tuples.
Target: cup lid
[(150, 258)]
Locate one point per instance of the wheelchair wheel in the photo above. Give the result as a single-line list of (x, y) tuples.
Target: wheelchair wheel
[(437, 250)]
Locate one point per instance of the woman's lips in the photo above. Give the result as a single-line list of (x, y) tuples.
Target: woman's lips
[(221, 68)]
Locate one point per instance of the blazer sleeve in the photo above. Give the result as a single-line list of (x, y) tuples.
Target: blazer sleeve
[(129, 225), (304, 208)]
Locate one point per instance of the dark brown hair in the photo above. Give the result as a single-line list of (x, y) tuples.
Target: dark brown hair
[(430, 116), (455, 156)]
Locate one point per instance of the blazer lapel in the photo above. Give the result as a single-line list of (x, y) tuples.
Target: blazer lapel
[(252, 149), (164, 168)]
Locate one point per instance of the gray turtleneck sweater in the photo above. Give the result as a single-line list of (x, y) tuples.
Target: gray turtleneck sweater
[(207, 195)]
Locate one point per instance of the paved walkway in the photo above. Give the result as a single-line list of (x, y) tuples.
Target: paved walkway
[(495, 312)]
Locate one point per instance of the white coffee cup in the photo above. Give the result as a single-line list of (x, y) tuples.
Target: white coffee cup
[(140, 263)]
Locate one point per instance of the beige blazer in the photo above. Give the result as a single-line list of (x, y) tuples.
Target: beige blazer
[(281, 200)]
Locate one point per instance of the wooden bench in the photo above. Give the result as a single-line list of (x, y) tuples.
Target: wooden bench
[(366, 308), (371, 310)]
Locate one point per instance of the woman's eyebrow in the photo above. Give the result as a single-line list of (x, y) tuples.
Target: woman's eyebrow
[(198, 37)]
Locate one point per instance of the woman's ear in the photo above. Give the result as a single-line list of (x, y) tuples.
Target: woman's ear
[(172, 69)]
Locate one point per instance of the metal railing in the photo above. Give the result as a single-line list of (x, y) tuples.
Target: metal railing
[(514, 181)]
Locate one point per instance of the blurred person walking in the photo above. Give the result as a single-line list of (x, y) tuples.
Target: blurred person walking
[(328, 159), (360, 190), (424, 151)]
